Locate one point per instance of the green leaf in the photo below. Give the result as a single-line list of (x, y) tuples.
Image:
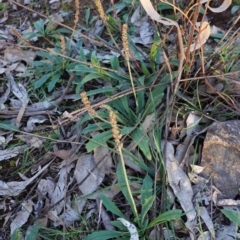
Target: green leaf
[(17, 235), (41, 80), (90, 77), (148, 202), (234, 9), (34, 232), (141, 101), (119, 225), (147, 189), (101, 90), (7, 126), (145, 70), (142, 140), (155, 54), (164, 6), (98, 140), (117, 77), (110, 206), (114, 63), (103, 235), (157, 94), (82, 55), (117, 6), (122, 184), (44, 55), (53, 81), (165, 217), (39, 25), (147, 197), (122, 106), (232, 216), (87, 16), (96, 127), (83, 69)]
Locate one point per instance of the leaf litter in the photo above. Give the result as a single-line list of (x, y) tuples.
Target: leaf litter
[(92, 169)]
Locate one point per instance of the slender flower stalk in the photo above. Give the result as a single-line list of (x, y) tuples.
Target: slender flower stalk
[(87, 104), (127, 57), (100, 10), (76, 17), (117, 138), (63, 45)]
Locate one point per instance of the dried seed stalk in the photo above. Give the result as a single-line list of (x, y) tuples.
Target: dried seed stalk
[(87, 104), (63, 45), (18, 35), (116, 133), (125, 42), (76, 17), (100, 10), (127, 57)]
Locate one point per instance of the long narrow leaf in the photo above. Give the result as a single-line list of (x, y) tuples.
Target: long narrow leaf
[(232, 216), (122, 183), (165, 217), (103, 235), (110, 206), (142, 141)]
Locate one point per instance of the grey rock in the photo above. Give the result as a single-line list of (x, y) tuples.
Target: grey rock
[(221, 156)]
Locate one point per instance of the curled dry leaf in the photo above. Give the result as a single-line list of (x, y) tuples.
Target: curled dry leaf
[(225, 5), (202, 37), (131, 228), (147, 5), (31, 122)]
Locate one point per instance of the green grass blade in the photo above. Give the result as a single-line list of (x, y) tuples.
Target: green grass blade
[(147, 189), (165, 217), (103, 235), (98, 140), (142, 141), (123, 183), (146, 206), (110, 206), (232, 216)]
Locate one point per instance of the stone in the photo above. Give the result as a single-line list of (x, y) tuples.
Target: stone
[(221, 156)]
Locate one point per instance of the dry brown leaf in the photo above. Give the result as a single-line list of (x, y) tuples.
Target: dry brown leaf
[(15, 188), (31, 122), (5, 17), (55, 18), (111, 193), (207, 220), (22, 216), (14, 55), (84, 167), (7, 154), (73, 210), (31, 140), (103, 155), (61, 189), (181, 185)]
